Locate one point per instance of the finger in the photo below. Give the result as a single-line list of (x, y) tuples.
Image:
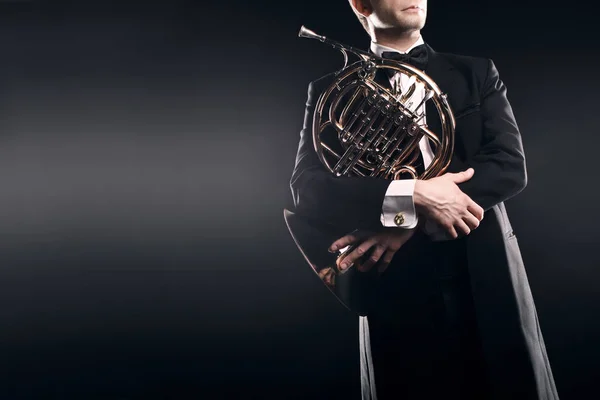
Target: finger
[(344, 241), (475, 209), (358, 252), (471, 221), (451, 231), (462, 227), (372, 260), (460, 177), (385, 261)]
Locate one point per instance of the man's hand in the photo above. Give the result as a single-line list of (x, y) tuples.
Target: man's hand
[(386, 243), (441, 200)]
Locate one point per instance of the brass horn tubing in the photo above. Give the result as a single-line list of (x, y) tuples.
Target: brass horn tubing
[(440, 101), (448, 124), (399, 159), (368, 115), (363, 133), (443, 152), (414, 143), (398, 137), (381, 130), (360, 162), (384, 152), (437, 166), (364, 128), (390, 142), (440, 154), (342, 129), (318, 113), (410, 147), (439, 163), (444, 146), (411, 89), (381, 134), (350, 103), (373, 134), (376, 88), (431, 135), (408, 165), (405, 168), (397, 132), (357, 172), (415, 157), (408, 94), (405, 154), (389, 119), (336, 155), (306, 33), (361, 153), (390, 98), (394, 137), (438, 97), (332, 152), (317, 129), (332, 116), (407, 70)]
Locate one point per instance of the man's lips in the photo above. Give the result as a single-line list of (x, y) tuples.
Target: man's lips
[(412, 8)]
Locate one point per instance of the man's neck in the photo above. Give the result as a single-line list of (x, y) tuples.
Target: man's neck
[(399, 40)]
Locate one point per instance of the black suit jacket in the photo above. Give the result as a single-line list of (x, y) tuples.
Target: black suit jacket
[(487, 139)]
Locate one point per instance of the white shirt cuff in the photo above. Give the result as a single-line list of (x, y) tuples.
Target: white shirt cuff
[(398, 208)]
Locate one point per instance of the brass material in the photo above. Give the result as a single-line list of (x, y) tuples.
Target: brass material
[(399, 219), (366, 129)]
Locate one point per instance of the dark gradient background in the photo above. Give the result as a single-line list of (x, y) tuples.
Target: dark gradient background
[(145, 155)]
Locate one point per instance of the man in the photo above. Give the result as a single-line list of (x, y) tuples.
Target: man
[(453, 316)]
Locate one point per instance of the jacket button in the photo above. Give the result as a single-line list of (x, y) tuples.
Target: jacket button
[(399, 219)]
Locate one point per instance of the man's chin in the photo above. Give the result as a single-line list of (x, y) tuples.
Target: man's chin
[(410, 22), (406, 27)]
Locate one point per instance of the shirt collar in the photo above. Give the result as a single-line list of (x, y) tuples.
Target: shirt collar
[(378, 49)]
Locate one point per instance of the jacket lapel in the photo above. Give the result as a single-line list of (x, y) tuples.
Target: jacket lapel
[(449, 80)]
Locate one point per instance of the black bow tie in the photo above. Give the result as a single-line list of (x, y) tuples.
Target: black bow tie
[(417, 57)]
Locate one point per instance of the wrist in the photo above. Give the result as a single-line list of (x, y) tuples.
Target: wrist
[(418, 195)]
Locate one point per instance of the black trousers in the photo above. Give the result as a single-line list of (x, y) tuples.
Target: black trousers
[(424, 340)]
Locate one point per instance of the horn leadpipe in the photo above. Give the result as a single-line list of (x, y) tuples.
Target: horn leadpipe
[(307, 33)]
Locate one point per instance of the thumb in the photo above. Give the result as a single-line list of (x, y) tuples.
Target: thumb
[(462, 176)]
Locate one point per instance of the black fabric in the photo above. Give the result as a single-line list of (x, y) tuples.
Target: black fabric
[(424, 338)]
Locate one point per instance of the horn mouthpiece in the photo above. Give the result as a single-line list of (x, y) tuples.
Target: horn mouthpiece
[(307, 33)]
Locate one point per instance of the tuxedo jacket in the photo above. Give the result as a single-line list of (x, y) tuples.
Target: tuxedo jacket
[(487, 138)]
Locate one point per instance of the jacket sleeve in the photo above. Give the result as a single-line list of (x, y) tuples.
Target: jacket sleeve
[(342, 201), (500, 170)]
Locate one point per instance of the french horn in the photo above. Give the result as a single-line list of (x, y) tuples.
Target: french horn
[(367, 128)]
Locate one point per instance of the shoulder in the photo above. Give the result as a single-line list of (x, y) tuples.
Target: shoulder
[(318, 85), (482, 69), (472, 65)]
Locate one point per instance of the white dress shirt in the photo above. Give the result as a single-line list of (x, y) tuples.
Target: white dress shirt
[(399, 195)]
